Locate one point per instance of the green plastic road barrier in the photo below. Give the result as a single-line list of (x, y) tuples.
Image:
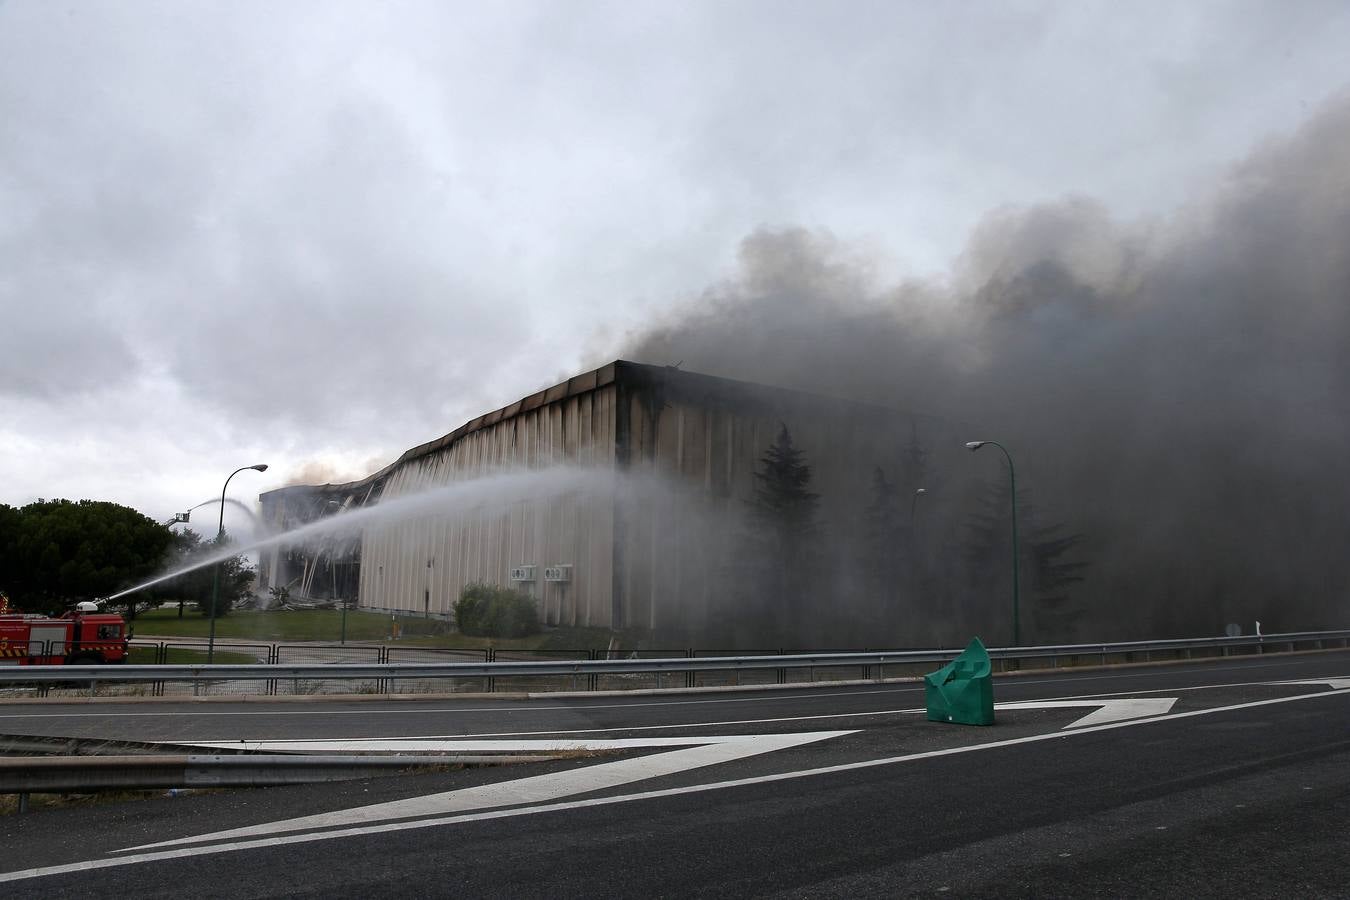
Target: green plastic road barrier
[(963, 690)]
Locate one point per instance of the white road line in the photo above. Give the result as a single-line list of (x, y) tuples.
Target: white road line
[(539, 788), (507, 734), (581, 705), (1110, 710), (411, 707), (184, 852), (1027, 704), (459, 745)]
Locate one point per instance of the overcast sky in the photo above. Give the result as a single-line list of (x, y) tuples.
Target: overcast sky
[(315, 235)]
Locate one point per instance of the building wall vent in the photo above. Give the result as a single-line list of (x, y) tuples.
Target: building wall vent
[(558, 573), (522, 573)]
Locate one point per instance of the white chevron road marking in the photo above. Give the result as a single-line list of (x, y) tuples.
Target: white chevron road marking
[(1336, 684), (706, 751), (1108, 710)]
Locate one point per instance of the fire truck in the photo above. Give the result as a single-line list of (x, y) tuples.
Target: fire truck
[(84, 637)]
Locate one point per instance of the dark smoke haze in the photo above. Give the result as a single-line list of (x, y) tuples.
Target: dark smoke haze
[(1173, 389)]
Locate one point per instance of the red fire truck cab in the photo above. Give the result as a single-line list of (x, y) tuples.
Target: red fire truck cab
[(84, 637)]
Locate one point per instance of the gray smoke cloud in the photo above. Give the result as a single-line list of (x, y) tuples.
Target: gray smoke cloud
[(1172, 388)]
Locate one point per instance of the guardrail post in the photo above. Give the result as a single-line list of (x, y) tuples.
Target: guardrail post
[(781, 673), (490, 655), (161, 657), (271, 687), (689, 679)]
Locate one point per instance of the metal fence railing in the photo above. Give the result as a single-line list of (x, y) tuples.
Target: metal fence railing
[(366, 668)]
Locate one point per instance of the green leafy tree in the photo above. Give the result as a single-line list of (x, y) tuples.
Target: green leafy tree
[(195, 586), (60, 552), (9, 542)]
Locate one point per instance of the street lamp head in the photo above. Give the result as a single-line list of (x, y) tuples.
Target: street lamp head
[(261, 467), (975, 445), (919, 491)]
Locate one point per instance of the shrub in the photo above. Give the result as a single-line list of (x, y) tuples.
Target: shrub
[(488, 610)]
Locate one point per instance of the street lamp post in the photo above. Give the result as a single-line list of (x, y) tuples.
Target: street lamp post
[(215, 581), (179, 519), (917, 494), (1012, 481)]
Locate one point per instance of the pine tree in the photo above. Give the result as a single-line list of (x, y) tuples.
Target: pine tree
[(1048, 570), (885, 536), (778, 566), (782, 508), (914, 470)]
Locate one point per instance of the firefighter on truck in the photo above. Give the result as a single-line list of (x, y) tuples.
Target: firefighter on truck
[(82, 637)]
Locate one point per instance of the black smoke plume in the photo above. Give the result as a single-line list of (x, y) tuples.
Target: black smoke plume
[(1174, 390)]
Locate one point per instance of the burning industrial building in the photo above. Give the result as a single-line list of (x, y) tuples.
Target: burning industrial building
[(677, 504)]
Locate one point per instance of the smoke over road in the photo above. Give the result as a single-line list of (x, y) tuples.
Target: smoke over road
[(1174, 389)]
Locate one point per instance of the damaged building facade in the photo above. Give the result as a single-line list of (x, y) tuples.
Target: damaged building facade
[(643, 545)]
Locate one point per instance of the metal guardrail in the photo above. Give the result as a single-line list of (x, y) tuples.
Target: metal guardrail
[(385, 673)]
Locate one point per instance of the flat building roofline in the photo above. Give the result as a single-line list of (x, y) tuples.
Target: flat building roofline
[(709, 387)]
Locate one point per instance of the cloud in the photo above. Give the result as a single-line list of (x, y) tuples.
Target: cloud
[(335, 230)]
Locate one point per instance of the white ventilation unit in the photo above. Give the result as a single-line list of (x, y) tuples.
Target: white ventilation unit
[(522, 573), (558, 573)]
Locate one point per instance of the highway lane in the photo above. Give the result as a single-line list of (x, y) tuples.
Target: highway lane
[(187, 721), (1242, 788)]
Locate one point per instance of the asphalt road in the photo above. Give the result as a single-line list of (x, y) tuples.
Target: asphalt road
[(1221, 779)]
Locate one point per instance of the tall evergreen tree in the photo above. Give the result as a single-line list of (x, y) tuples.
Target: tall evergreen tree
[(778, 566), (885, 536), (782, 508), (1048, 567), (914, 472)]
